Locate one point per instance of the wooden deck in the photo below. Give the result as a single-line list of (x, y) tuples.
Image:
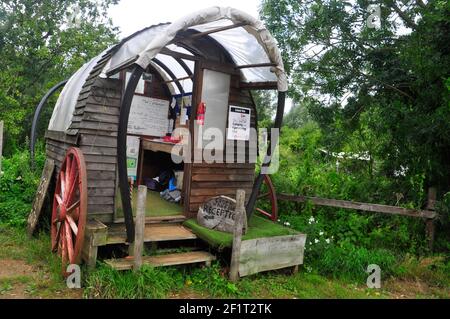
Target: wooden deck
[(152, 233)]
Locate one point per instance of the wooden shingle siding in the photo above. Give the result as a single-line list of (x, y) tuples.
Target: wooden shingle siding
[(95, 120)]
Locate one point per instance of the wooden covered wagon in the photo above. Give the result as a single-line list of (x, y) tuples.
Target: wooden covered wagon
[(119, 119)]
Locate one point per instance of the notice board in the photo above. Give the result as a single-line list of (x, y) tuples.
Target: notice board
[(148, 116), (239, 119)]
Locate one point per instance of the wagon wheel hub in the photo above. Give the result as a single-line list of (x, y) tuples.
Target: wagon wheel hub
[(70, 209)]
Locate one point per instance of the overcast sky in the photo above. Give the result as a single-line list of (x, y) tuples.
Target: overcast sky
[(133, 15)]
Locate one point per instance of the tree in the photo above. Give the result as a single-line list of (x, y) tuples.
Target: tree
[(42, 43), (388, 82)]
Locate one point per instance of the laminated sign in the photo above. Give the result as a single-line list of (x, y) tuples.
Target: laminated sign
[(239, 123)]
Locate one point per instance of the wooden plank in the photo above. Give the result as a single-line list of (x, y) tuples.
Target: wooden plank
[(96, 140), (98, 150), (101, 167), (103, 176), (164, 260), (234, 185), (222, 171), (152, 233), (224, 165), (103, 118), (61, 137), (237, 235), (106, 192), (222, 178), (46, 177), (271, 253), (216, 191), (101, 200), (377, 208), (100, 159), (138, 245), (156, 146)]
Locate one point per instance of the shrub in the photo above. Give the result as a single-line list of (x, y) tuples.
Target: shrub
[(18, 185)]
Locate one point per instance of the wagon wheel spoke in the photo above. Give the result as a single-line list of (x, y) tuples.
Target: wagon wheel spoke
[(63, 245), (69, 242), (72, 188), (55, 243), (63, 183), (67, 176), (73, 225), (59, 199), (73, 206)]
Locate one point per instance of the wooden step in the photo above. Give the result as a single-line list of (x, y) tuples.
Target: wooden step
[(152, 233), (164, 260)]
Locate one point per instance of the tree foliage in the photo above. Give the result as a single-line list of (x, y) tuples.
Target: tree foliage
[(381, 90), (42, 43)]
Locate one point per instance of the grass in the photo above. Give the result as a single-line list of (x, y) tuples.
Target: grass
[(156, 206), (258, 228), (413, 278)]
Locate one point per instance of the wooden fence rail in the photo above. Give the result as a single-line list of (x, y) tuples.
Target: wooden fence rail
[(377, 208), (429, 214)]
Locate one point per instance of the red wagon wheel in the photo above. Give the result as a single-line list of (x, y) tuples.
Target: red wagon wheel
[(272, 195), (70, 209)]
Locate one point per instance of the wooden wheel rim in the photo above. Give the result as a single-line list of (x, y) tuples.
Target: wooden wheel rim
[(273, 215), (70, 208)]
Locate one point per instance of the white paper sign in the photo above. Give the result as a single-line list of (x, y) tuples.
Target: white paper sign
[(239, 119), (148, 116), (133, 146)]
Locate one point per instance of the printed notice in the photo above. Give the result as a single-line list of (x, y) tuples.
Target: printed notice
[(239, 119)]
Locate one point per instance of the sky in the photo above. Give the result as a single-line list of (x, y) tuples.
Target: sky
[(133, 15)]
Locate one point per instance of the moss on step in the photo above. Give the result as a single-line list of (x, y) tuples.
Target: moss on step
[(258, 228)]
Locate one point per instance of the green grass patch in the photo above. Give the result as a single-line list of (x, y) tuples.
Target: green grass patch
[(258, 228)]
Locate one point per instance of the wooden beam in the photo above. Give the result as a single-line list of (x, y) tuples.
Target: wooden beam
[(258, 65), (377, 208), (140, 228), (259, 86), (237, 235), (179, 55), (180, 79), (202, 34)]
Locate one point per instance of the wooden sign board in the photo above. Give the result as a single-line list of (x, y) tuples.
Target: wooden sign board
[(148, 116), (218, 213), (36, 210), (271, 253)]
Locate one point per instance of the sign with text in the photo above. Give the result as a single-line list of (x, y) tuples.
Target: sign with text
[(148, 116), (133, 144), (218, 213), (239, 120)]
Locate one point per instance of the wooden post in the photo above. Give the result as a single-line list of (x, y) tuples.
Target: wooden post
[(237, 235), (139, 227), (430, 227), (1, 145)]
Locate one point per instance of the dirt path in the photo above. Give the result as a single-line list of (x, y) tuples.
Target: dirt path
[(19, 280)]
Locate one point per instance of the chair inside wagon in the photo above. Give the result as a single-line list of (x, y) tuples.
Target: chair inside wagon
[(171, 108)]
